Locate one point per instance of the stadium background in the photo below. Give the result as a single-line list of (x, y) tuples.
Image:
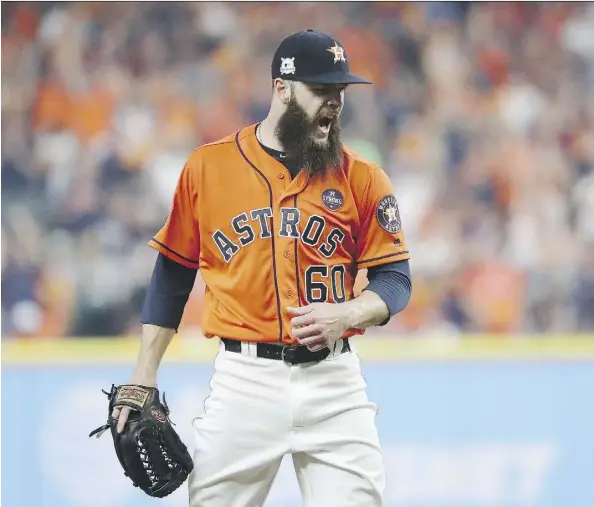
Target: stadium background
[(483, 116)]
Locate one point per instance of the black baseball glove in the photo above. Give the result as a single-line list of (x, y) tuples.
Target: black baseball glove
[(149, 449)]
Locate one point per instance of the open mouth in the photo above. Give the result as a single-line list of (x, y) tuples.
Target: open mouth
[(324, 124)]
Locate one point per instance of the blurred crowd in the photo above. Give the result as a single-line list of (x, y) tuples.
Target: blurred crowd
[(481, 113)]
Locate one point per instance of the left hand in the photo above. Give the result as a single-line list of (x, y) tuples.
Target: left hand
[(318, 325)]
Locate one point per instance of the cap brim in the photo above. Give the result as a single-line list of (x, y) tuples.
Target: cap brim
[(335, 78)]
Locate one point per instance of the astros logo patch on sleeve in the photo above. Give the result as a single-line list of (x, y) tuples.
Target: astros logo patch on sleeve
[(388, 215)]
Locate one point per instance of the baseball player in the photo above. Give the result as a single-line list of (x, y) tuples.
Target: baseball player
[(279, 217)]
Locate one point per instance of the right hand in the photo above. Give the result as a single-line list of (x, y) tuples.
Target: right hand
[(120, 413)]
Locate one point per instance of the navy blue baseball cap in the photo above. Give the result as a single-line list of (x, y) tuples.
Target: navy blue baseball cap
[(310, 56)]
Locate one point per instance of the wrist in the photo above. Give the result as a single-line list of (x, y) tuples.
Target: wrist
[(352, 314), (366, 310), (147, 379)]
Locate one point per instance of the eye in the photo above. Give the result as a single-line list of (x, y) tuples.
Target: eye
[(327, 89)]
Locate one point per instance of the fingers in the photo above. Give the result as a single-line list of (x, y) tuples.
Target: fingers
[(303, 320), (122, 417), (301, 310), (314, 343), (306, 329), (314, 330), (313, 340)]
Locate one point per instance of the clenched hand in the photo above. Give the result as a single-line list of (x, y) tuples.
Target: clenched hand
[(319, 325)]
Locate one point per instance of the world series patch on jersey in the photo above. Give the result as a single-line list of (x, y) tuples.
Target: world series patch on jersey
[(236, 210)]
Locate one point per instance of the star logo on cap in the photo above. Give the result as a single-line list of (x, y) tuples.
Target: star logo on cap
[(338, 53)]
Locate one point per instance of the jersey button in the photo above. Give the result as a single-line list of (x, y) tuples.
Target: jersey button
[(280, 176), (289, 293), (287, 255)]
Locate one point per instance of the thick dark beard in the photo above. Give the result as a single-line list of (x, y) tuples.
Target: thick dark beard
[(295, 133)]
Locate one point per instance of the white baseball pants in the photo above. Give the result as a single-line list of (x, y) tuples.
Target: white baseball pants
[(259, 410)]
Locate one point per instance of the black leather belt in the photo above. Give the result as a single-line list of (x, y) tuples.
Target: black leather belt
[(289, 354)]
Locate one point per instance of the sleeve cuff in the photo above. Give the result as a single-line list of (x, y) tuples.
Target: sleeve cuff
[(172, 254), (383, 259)]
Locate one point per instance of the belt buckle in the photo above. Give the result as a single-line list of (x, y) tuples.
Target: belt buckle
[(287, 347)]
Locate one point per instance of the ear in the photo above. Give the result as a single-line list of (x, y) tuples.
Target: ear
[(282, 90)]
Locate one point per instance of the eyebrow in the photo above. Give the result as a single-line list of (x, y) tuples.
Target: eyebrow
[(316, 86)]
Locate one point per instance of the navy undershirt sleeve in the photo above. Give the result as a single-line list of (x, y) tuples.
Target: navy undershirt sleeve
[(168, 292), (171, 285), (391, 282)]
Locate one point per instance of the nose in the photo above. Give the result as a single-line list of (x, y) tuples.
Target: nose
[(335, 99)]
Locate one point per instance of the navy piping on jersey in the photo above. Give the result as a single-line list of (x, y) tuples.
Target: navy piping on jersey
[(297, 262), (293, 171), (278, 302), (174, 252), (404, 252)]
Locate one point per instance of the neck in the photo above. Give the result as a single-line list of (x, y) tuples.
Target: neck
[(267, 136)]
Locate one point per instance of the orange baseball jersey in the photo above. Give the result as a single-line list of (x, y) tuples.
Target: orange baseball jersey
[(264, 242)]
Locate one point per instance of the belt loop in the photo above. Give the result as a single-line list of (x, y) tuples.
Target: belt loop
[(352, 344), (334, 350)]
